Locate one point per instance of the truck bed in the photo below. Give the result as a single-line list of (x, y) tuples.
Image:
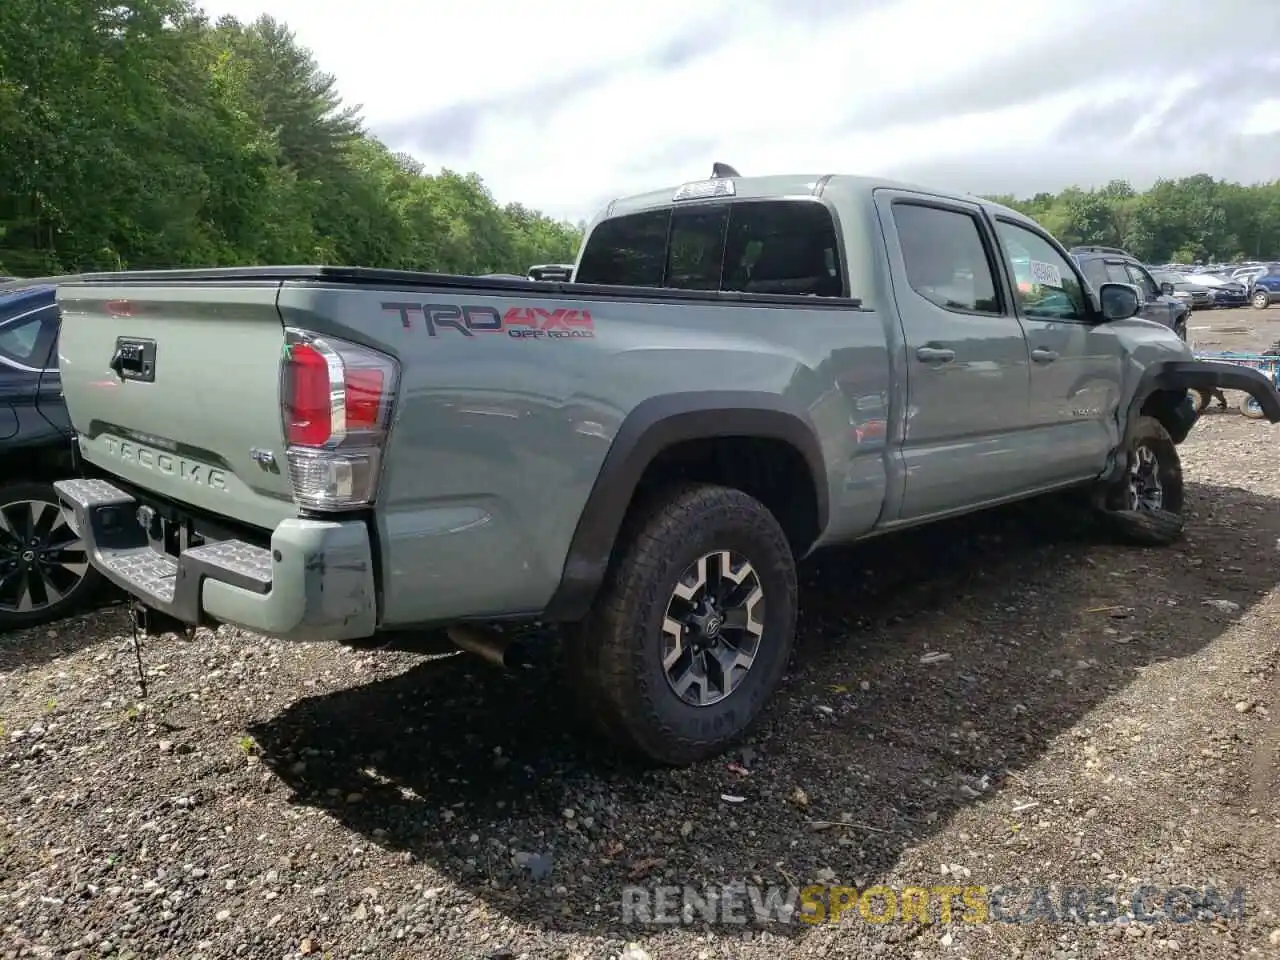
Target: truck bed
[(376, 277)]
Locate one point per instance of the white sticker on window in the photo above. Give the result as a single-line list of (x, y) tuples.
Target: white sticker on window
[(1046, 273)]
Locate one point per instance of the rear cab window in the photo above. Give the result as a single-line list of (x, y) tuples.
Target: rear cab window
[(743, 246)]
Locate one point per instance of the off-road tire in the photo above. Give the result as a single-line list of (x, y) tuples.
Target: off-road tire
[(74, 599), (1146, 527), (614, 657)]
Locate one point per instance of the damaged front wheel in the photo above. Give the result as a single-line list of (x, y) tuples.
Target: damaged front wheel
[(1144, 505)]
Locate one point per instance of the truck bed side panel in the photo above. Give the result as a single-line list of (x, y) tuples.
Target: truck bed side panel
[(509, 403)]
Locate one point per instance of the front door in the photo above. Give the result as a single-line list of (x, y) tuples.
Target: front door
[(967, 367), (1075, 362)]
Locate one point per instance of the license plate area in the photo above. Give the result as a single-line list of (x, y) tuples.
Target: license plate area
[(167, 532)]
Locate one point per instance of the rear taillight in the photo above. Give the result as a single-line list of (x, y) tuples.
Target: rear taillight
[(335, 401)]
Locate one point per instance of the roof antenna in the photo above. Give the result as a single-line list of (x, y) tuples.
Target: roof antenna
[(721, 170)]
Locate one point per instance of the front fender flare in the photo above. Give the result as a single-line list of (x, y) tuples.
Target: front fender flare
[(652, 426), (1208, 375)]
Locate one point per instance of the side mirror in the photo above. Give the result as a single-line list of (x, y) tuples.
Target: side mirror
[(1119, 301), (1167, 289)]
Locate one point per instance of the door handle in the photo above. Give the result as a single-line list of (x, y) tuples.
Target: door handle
[(1044, 355), (935, 354)]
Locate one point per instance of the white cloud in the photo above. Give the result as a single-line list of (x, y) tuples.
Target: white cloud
[(993, 95)]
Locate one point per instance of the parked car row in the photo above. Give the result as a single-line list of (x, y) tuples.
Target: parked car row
[(1217, 286), (1260, 280)]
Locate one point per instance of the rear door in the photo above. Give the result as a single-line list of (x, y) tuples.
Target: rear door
[(1075, 364), (174, 386), (968, 414)]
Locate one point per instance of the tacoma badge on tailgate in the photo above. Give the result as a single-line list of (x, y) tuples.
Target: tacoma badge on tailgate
[(167, 463)]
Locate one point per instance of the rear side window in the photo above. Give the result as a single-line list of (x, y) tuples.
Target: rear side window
[(1095, 272), (946, 260), (1117, 273), (747, 247), (29, 341)]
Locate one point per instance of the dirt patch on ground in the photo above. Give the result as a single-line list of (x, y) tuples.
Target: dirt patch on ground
[(1005, 701)]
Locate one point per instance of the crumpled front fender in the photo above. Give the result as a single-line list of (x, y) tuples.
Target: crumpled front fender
[(1211, 375)]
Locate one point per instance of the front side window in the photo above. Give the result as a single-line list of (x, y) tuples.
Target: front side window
[(770, 246), (945, 258), (1053, 291)]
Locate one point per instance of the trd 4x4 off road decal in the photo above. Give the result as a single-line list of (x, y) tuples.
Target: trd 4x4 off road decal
[(522, 323)]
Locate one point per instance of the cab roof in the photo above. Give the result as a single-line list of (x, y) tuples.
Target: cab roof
[(780, 187)]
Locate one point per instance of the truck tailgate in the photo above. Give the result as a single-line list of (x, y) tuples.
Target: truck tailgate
[(174, 386)]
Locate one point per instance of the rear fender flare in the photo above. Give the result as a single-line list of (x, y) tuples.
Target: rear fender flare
[(651, 427)]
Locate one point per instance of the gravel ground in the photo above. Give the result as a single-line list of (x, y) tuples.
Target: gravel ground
[(1003, 701)]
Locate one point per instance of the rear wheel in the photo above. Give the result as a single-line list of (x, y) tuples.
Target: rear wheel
[(692, 629), (1145, 505), (1251, 408), (44, 569)]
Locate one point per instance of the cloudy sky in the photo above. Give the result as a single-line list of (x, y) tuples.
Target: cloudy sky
[(564, 104)]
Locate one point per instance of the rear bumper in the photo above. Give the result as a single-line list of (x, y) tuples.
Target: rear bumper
[(315, 582)]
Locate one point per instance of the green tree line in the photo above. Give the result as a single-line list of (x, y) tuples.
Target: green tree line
[(137, 133), (1186, 220)]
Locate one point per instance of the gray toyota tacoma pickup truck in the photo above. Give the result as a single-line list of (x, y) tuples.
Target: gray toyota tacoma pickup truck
[(741, 370)]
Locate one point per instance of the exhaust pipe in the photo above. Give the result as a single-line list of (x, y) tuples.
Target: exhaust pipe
[(497, 648)]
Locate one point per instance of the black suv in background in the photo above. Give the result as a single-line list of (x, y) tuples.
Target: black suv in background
[(44, 571), (1112, 265)]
